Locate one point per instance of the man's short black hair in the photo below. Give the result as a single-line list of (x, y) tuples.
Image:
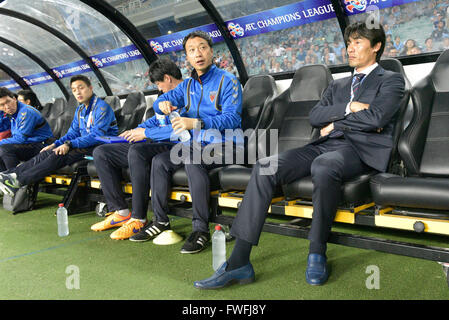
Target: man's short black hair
[(28, 95), (374, 34), (161, 67), (6, 92), (80, 77), (195, 34)]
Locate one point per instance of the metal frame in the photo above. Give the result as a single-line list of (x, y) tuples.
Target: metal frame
[(300, 229), (122, 22), (37, 60), (216, 17), (63, 38)]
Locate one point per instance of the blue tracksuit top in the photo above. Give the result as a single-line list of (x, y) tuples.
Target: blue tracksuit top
[(96, 120), (154, 131), (215, 97), (27, 126), (5, 122)]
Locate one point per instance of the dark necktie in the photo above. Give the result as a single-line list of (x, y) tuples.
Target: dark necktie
[(356, 81)]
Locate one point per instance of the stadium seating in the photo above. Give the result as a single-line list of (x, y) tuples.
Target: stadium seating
[(288, 113), (355, 192), (257, 98), (131, 114)]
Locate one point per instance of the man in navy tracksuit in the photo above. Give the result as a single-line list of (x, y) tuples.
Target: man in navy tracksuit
[(110, 159), (209, 103), (29, 131), (93, 118)]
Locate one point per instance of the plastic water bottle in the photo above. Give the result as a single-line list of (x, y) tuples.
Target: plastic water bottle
[(218, 248), (63, 221), (185, 134)]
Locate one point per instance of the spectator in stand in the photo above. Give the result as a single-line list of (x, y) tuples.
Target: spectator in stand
[(409, 44), (439, 32), (429, 45), (398, 44)]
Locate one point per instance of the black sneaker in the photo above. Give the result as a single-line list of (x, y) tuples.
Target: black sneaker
[(9, 185), (149, 232), (195, 242)]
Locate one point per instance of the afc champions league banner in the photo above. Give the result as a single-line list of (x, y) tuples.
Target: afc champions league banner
[(284, 17)]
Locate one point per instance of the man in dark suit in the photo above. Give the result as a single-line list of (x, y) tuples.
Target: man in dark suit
[(356, 119)]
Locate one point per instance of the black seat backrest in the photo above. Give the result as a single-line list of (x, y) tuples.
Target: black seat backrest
[(424, 145), (149, 112), (46, 109), (405, 112), (258, 92), (69, 113), (55, 116), (131, 114), (290, 110)]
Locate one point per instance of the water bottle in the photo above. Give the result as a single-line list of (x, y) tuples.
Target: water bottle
[(218, 248), (185, 134), (63, 221)]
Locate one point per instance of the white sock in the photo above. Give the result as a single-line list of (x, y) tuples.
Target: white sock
[(123, 212)]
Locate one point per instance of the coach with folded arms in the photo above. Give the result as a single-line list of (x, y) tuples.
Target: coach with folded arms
[(356, 117)]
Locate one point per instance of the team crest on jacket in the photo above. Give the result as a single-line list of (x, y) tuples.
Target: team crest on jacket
[(212, 96)]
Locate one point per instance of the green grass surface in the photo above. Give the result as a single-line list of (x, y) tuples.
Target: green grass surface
[(34, 260)]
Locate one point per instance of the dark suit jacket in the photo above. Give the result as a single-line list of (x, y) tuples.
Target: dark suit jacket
[(383, 91)]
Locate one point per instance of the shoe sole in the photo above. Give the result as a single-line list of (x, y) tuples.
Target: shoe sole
[(234, 281), (5, 189), (191, 252), (139, 240)]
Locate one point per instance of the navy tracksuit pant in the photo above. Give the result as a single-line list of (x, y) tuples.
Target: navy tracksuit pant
[(12, 154), (330, 163), (110, 159), (197, 168), (46, 163)]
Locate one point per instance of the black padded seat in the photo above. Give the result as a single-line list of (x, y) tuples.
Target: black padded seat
[(257, 97), (113, 102), (234, 178), (179, 178), (131, 114), (411, 192), (55, 117), (354, 192), (71, 169), (149, 112), (288, 113), (423, 147), (357, 190)]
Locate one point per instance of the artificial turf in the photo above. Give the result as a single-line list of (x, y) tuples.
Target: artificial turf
[(37, 264)]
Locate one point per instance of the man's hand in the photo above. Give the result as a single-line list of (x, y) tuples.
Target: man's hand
[(166, 107), (48, 148), (135, 135), (356, 106), (62, 150), (327, 129), (181, 123)]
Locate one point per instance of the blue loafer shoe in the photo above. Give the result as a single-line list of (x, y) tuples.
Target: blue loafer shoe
[(317, 271), (222, 278)]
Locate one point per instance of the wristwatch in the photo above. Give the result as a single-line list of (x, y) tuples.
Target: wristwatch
[(68, 143), (200, 124)]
